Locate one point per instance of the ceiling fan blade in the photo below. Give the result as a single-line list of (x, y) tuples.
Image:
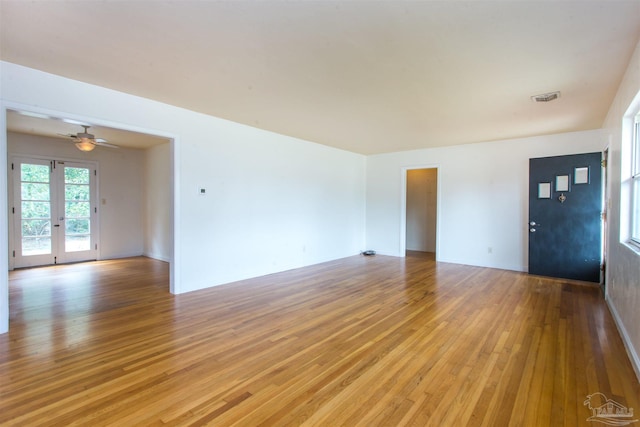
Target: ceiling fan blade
[(99, 140), (104, 144), (68, 135), (75, 122)]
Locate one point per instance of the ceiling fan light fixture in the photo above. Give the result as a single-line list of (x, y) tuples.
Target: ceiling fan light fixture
[(85, 145), (85, 141)]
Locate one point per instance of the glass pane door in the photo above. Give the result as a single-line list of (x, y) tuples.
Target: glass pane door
[(77, 214), (33, 213), (54, 212)]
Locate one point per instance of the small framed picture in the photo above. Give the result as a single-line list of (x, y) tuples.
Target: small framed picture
[(544, 190), (581, 175), (562, 183)]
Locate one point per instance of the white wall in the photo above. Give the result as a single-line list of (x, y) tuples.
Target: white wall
[(273, 202), (623, 264), (158, 202), (422, 202), (482, 197), (119, 185)]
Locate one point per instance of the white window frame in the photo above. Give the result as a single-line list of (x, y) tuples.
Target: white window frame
[(634, 213)]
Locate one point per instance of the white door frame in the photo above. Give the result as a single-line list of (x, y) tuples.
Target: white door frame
[(606, 209), (403, 207)]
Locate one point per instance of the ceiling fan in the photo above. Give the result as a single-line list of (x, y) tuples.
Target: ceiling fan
[(86, 141)]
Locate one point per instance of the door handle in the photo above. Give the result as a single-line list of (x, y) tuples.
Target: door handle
[(532, 230), (533, 223)]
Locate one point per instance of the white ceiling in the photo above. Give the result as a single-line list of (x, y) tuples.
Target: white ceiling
[(365, 76)]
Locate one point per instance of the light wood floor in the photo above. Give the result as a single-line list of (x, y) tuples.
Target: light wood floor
[(364, 341)]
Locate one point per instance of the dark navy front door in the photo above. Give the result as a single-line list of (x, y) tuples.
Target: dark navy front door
[(565, 204)]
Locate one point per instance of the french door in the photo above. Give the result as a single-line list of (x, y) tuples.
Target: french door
[(54, 212)]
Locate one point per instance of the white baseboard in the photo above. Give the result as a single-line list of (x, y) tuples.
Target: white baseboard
[(119, 256), (633, 356), (156, 256)]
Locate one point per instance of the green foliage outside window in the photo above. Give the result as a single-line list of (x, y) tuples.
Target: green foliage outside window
[(36, 197), (34, 173)]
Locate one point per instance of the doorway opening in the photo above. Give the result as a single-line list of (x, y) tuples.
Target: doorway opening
[(421, 212), (130, 182)]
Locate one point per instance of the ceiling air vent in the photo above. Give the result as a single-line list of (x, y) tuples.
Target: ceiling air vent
[(546, 97)]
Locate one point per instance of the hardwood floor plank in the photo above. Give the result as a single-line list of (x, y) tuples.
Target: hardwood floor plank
[(371, 341)]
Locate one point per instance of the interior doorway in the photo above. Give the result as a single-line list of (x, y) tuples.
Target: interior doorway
[(44, 135), (421, 210), (129, 208)]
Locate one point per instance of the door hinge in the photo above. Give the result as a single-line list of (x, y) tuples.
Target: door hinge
[(14, 254), (95, 172), (604, 163), (11, 166), (96, 246), (55, 259), (13, 210), (95, 210)]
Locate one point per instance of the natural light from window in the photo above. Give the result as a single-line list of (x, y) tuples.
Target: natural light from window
[(630, 177), (635, 184)]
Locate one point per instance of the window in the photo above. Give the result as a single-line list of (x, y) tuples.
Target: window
[(635, 184)]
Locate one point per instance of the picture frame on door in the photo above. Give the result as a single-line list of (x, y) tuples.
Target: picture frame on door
[(544, 190), (562, 183), (581, 175)]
